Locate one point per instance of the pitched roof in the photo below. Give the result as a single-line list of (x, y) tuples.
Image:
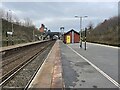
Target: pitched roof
[(71, 31)]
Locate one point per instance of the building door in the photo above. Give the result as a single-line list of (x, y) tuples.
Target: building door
[(68, 39)]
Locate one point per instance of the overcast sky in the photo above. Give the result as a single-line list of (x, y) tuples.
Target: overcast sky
[(57, 14)]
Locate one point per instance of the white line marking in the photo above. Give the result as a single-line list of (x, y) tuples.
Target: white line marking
[(104, 45), (99, 70)]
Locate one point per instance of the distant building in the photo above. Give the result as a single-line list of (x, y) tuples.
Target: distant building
[(71, 36), (42, 28)]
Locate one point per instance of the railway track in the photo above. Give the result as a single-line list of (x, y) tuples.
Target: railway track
[(11, 55), (12, 62), (22, 74)]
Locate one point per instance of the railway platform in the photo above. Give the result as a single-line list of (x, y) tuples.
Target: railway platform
[(50, 73), (19, 45), (78, 72), (66, 66), (63, 68)]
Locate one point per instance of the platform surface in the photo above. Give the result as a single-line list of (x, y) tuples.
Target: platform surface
[(50, 73), (65, 68), (78, 73), (18, 45)]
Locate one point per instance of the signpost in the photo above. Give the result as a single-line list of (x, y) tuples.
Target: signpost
[(10, 33)]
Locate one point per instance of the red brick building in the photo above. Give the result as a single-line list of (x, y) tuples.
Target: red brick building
[(42, 28), (71, 36)]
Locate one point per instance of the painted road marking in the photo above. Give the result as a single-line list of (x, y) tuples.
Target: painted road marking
[(99, 70)]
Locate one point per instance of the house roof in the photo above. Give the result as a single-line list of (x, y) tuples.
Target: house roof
[(71, 31)]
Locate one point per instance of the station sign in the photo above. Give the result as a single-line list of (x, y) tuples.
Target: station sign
[(10, 33)]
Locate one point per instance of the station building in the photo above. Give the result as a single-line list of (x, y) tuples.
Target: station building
[(71, 36)]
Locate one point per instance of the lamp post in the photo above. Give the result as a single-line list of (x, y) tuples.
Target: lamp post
[(80, 18)]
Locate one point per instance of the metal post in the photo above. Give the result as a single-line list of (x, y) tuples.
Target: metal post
[(85, 37), (11, 25), (81, 32), (7, 29), (7, 38), (12, 34), (63, 33), (33, 35)]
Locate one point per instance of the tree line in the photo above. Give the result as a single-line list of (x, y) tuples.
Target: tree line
[(106, 32), (22, 30)]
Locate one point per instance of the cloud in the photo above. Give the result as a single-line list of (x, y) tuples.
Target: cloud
[(56, 14), (60, 1)]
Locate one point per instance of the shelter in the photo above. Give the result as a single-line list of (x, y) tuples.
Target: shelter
[(71, 36)]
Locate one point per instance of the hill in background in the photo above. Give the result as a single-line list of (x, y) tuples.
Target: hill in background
[(106, 32), (21, 34)]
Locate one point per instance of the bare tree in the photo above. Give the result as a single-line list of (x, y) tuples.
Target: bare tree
[(28, 22), (2, 13), (16, 19), (90, 26)]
